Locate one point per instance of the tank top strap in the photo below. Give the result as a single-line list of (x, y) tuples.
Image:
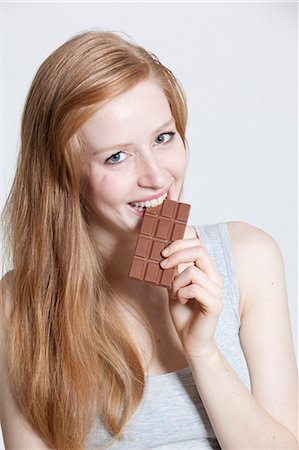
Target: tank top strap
[(216, 241)]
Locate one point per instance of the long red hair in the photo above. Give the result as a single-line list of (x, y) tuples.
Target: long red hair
[(69, 354)]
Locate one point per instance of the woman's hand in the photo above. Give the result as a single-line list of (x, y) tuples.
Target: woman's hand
[(195, 300)]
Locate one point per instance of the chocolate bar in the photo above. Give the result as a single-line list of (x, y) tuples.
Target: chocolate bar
[(161, 225)]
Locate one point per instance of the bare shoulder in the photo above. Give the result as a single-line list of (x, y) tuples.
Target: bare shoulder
[(265, 331), (248, 236), (258, 260)]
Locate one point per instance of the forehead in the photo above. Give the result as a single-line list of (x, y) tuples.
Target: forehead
[(145, 107)]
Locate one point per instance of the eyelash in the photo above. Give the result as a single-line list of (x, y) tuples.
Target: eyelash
[(170, 133)]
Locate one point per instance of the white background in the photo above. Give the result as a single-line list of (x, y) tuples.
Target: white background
[(238, 64)]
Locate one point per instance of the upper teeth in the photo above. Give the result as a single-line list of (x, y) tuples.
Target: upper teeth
[(151, 203)]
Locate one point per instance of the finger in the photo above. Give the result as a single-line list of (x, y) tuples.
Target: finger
[(199, 256), (208, 302), (207, 265), (193, 275), (182, 256), (179, 244)]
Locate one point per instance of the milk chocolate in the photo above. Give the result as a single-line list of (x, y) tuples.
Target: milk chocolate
[(160, 226)]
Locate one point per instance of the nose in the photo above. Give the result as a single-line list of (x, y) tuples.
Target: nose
[(150, 173)]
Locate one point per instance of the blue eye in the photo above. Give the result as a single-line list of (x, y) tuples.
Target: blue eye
[(161, 139), (114, 158)]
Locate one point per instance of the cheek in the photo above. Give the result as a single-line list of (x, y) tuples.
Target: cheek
[(182, 162), (179, 161), (101, 188)]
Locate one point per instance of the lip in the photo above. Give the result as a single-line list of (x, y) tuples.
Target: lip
[(135, 211), (153, 197)]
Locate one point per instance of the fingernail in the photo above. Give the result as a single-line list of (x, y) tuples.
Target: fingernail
[(164, 263), (165, 252)]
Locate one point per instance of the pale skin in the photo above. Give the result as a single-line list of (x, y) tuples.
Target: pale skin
[(266, 418)]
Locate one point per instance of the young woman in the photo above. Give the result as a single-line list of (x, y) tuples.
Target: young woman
[(90, 357)]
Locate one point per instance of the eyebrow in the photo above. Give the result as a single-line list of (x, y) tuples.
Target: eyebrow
[(120, 146)]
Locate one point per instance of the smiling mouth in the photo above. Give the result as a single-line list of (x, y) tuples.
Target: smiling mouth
[(140, 206)]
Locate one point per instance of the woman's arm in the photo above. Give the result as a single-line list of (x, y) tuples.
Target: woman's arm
[(17, 433), (267, 418)]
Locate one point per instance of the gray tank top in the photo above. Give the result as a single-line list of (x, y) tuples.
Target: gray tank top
[(171, 415)]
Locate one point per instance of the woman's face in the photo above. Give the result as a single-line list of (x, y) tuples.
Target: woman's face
[(133, 154)]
